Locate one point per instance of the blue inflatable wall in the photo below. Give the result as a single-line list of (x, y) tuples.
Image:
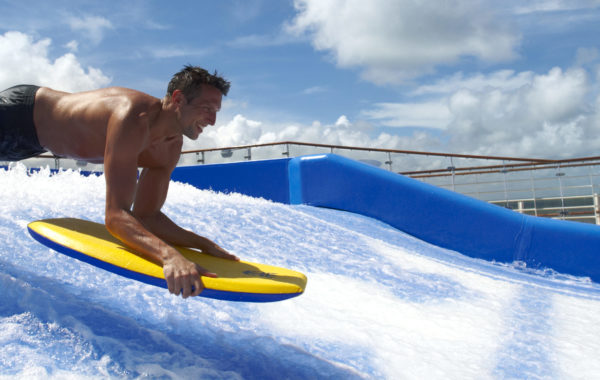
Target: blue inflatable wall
[(432, 214), (261, 179)]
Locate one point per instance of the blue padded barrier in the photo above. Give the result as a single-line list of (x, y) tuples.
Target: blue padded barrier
[(445, 218), (424, 211), (438, 216), (261, 179)]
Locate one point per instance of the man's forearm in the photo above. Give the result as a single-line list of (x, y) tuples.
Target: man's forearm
[(167, 230), (182, 276), (170, 232), (125, 227)]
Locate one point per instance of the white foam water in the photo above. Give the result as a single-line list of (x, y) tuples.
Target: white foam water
[(379, 303)]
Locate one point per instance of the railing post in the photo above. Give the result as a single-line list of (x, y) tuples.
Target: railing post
[(452, 168), (563, 212), (596, 211), (389, 161), (533, 192), (504, 171)]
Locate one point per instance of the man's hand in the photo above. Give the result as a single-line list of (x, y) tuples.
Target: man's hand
[(183, 276), (213, 249)]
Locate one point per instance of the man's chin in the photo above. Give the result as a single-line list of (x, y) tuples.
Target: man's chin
[(192, 135)]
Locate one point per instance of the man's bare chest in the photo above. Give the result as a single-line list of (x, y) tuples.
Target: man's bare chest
[(161, 154)]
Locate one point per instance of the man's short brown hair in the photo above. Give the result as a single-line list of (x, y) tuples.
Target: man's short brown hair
[(190, 80)]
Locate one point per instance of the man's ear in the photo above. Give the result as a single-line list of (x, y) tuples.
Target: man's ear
[(178, 98)]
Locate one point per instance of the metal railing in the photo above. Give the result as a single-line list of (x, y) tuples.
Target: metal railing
[(563, 189), (385, 158), (575, 208)]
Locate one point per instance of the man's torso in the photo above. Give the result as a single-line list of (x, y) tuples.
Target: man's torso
[(76, 125)]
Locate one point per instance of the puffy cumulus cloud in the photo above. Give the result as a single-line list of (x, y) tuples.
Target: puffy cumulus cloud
[(238, 131), (552, 115), (555, 114), (396, 40), (523, 114), (25, 60), (242, 131)]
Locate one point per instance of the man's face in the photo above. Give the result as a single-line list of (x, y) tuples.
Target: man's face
[(200, 112)]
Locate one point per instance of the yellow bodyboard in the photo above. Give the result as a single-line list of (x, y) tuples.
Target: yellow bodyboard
[(238, 281)]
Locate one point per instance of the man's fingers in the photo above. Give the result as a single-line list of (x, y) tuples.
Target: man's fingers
[(170, 282), (220, 252), (177, 286), (204, 272), (233, 257), (229, 256), (197, 288), (226, 255), (186, 289), (178, 283), (187, 284)]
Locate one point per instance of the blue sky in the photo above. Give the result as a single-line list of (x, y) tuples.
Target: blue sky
[(476, 76)]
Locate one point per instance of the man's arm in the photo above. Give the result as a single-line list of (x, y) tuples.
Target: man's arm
[(125, 139), (149, 198), (164, 228)]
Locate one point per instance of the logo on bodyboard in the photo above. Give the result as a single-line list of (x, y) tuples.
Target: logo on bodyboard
[(257, 273)]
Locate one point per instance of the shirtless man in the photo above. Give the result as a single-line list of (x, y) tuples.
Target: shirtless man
[(125, 129)]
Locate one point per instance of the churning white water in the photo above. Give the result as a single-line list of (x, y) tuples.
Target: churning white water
[(379, 303)]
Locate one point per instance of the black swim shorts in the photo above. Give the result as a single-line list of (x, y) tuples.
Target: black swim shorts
[(18, 138)]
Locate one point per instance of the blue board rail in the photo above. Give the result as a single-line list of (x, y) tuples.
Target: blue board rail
[(435, 215)]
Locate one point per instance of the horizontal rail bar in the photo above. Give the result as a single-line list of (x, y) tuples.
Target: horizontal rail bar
[(373, 150)]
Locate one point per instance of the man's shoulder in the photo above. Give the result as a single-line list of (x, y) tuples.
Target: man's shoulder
[(132, 102), (112, 98), (134, 96)]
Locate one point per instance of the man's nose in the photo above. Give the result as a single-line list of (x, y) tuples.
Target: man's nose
[(212, 119)]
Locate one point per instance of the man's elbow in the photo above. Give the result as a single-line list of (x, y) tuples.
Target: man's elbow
[(112, 222)]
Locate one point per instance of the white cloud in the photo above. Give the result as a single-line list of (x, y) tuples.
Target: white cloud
[(587, 56), (260, 41), (555, 114), (314, 90), (536, 6), (92, 27), (176, 51), (551, 116), (73, 46), (242, 131), (506, 112), (394, 41), (430, 114), (25, 60), (505, 80), (245, 10)]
